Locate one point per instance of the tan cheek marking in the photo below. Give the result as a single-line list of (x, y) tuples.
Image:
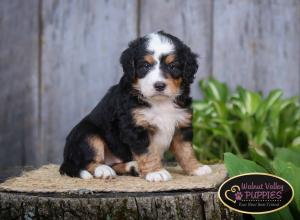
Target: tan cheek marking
[(173, 84), (170, 58), (184, 153), (149, 58)]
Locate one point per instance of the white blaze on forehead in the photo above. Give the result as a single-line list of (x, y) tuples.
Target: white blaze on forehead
[(159, 45)]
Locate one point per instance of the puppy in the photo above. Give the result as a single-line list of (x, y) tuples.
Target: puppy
[(145, 114)]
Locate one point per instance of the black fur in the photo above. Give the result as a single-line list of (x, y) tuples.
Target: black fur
[(187, 133), (111, 119)]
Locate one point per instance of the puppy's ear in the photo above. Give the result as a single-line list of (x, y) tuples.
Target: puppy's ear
[(127, 62), (190, 66)]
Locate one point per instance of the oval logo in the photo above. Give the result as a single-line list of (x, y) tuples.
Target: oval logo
[(256, 193)]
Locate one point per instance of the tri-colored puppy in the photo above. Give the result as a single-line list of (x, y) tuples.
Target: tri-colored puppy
[(145, 114)]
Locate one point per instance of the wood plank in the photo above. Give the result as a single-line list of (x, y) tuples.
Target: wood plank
[(256, 44), (234, 42), (188, 20), (19, 83), (80, 61), (278, 59)]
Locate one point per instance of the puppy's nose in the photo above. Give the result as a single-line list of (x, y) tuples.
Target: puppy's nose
[(159, 86)]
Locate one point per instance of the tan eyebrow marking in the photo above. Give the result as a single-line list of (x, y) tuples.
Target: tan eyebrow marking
[(170, 58), (149, 58)]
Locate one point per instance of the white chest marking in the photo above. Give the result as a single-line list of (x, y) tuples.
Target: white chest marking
[(165, 117)]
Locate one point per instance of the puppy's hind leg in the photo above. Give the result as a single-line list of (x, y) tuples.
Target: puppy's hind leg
[(97, 167)]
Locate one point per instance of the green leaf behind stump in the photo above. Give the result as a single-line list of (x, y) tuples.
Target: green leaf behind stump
[(236, 165)]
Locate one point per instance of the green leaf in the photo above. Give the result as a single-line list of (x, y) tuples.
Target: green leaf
[(214, 90), (289, 155), (199, 105), (261, 160), (268, 103), (236, 165), (220, 109), (261, 135), (246, 125), (236, 108), (283, 214), (289, 172), (296, 142), (251, 100)]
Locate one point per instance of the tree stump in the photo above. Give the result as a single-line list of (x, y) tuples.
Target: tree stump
[(52, 196)]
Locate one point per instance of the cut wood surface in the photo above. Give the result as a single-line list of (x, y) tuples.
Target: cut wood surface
[(171, 205), (44, 194)]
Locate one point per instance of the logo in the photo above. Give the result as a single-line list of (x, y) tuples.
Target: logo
[(256, 193)]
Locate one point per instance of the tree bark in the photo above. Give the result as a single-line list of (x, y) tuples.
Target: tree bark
[(87, 205)]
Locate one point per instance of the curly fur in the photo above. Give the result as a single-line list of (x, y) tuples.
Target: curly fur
[(112, 118)]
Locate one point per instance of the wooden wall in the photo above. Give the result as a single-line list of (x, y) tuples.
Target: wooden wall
[(58, 58)]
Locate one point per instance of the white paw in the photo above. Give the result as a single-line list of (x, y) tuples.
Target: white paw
[(158, 176), (104, 172), (202, 171), (84, 174)]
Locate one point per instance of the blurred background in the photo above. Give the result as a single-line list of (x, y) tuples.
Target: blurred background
[(58, 58)]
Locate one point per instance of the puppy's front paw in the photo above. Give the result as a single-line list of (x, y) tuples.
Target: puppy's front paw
[(104, 172), (158, 176), (202, 171), (84, 174)]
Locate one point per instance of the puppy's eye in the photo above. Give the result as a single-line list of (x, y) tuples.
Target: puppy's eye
[(172, 66), (145, 65)]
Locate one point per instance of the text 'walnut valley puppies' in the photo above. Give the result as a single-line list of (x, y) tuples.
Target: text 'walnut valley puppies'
[(145, 114)]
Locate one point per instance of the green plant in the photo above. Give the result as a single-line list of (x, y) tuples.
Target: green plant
[(263, 132), (243, 122)]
